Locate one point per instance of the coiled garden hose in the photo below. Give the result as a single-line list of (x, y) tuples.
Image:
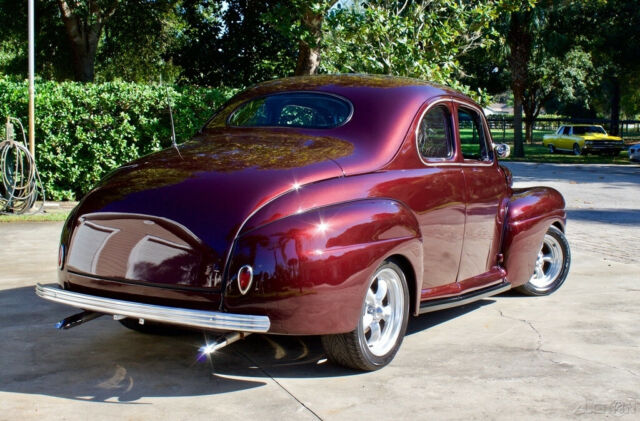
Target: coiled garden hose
[(20, 181)]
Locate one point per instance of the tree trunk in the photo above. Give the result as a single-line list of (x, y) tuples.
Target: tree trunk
[(308, 49), (520, 41), (518, 146), (84, 36), (615, 108), (528, 129), (84, 57), (308, 60)]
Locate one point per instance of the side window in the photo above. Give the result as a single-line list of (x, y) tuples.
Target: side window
[(435, 138), (567, 129), (473, 139)]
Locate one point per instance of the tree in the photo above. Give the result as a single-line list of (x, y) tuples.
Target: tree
[(84, 21), (423, 39), (232, 45), (302, 22), (614, 38), (554, 75), (53, 58), (138, 42)]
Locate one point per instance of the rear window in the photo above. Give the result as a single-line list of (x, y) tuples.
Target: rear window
[(294, 109)]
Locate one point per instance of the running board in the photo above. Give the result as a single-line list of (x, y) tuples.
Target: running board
[(460, 300)]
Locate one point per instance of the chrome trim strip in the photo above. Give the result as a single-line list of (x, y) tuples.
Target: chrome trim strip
[(172, 315), (461, 300)]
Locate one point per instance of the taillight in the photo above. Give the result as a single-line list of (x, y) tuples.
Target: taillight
[(245, 279), (61, 256)]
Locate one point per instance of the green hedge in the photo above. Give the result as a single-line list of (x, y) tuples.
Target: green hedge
[(85, 130)]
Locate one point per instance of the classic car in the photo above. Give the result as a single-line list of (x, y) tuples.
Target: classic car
[(582, 139), (329, 205)]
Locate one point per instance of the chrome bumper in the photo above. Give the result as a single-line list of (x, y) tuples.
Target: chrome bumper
[(173, 315)]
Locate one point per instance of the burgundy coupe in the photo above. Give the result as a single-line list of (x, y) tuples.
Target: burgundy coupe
[(327, 205)]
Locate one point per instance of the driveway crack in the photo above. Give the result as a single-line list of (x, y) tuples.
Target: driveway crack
[(540, 349)]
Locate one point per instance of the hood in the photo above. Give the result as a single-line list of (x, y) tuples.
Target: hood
[(189, 203), (601, 136)]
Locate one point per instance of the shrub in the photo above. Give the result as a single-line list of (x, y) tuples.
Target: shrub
[(85, 130)]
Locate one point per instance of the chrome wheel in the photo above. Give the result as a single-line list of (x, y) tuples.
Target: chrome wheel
[(549, 263), (551, 266), (382, 313), (381, 326)]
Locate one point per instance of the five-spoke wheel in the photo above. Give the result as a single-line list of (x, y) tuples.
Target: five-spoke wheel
[(382, 324), (551, 266)]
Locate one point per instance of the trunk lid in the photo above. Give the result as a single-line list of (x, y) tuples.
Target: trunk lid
[(170, 218)]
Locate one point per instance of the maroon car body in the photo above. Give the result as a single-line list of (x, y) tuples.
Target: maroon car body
[(313, 212)]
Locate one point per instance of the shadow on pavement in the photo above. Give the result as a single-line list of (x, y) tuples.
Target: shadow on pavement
[(579, 174), (607, 216), (101, 360)]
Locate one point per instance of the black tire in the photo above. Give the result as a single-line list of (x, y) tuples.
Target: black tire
[(153, 328), (555, 270), (352, 349), (576, 150), (552, 149)]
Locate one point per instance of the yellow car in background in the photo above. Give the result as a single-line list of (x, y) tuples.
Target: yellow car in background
[(582, 139)]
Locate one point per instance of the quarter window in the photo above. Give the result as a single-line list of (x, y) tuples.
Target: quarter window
[(434, 134), (473, 137)]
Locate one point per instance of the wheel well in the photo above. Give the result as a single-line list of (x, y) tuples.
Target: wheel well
[(410, 274), (558, 225)]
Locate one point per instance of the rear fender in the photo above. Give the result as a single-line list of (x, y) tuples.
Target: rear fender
[(531, 212), (311, 269)]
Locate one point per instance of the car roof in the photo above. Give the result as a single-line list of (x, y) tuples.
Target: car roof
[(384, 108)]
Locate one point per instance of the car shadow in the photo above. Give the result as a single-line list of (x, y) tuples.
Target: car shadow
[(103, 361), (607, 216)]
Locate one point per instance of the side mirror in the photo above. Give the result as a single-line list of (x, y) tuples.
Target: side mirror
[(502, 150)]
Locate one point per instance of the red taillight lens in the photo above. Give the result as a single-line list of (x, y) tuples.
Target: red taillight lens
[(245, 278), (60, 256)]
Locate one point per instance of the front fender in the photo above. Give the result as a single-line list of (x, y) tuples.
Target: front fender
[(531, 212), (311, 269)]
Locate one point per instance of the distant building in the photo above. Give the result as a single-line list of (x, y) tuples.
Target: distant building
[(498, 109)]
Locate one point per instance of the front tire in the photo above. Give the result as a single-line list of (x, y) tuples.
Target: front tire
[(552, 265), (576, 149), (552, 149), (382, 325)]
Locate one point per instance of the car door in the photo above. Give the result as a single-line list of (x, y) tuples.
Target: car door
[(564, 139), (486, 200), (438, 199)]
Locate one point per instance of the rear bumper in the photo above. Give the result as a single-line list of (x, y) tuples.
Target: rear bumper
[(173, 315)]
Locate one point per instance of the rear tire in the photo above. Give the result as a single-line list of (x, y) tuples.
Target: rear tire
[(552, 265), (381, 327)]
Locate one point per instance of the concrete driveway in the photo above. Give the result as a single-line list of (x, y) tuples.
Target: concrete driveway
[(575, 354)]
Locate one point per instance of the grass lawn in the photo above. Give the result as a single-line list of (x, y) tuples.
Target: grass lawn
[(538, 153)]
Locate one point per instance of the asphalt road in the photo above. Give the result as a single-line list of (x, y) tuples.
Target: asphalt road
[(574, 354)]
